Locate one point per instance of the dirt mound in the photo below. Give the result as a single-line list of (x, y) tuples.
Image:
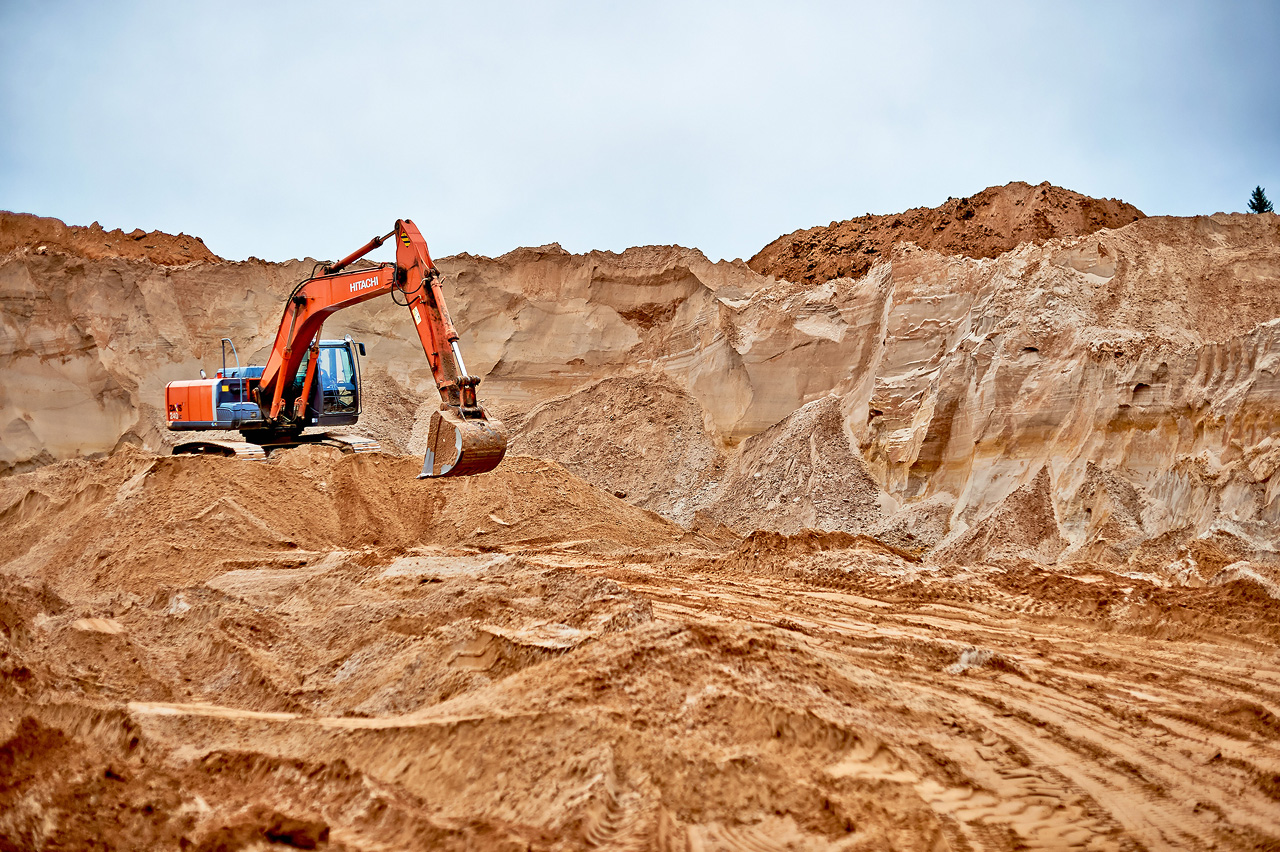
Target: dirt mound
[(1022, 527), (918, 527), (984, 225), (800, 473), (814, 556), (43, 234), (946, 369), (323, 651), (136, 521), (640, 438), (388, 413)]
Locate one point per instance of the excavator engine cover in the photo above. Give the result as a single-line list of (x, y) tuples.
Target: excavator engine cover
[(457, 447)]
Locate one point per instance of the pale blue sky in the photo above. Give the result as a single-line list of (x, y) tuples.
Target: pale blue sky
[(303, 128)]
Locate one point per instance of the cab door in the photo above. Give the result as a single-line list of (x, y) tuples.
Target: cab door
[(338, 379)]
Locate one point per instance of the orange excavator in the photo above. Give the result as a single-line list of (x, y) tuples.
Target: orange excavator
[(310, 382)]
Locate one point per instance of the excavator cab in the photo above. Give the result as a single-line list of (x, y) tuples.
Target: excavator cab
[(339, 378), (335, 391)]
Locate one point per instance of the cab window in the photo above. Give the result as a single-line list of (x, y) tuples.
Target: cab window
[(338, 378)]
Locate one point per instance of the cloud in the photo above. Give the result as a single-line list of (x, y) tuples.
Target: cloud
[(289, 129)]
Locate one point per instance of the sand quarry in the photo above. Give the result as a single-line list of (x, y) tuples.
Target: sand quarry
[(966, 538)]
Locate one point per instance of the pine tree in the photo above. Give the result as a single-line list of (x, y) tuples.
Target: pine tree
[(1259, 203)]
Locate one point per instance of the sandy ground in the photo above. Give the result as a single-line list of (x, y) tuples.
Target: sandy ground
[(322, 652)]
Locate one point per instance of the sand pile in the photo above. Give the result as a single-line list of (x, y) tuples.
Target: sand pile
[(1022, 527), (1141, 351), (984, 225), (389, 413), (323, 652), (640, 438), (135, 521), (801, 473), (19, 231)]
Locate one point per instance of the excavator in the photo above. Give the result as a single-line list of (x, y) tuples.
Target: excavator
[(310, 382)]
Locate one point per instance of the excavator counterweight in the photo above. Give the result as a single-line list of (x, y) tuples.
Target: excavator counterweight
[(308, 382)]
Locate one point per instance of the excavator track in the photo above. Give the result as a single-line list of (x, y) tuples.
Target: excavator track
[(352, 443), (259, 452), (237, 449)]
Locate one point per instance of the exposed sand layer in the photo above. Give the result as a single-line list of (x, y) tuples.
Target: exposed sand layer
[(984, 225), (136, 521)]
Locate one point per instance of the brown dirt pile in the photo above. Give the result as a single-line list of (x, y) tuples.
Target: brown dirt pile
[(1023, 526), (640, 438), (43, 234), (984, 225), (388, 412), (135, 521), (321, 651), (802, 472)]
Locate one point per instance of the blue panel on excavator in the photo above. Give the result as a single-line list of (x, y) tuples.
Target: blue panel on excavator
[(238, 412), (242, 372)]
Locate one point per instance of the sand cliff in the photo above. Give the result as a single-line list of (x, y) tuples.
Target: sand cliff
[(1142, 356)]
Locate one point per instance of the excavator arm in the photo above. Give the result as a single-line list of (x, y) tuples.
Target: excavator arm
[(462, 438)]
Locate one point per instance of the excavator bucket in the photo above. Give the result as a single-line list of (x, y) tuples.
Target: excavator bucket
[(457, 447)]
